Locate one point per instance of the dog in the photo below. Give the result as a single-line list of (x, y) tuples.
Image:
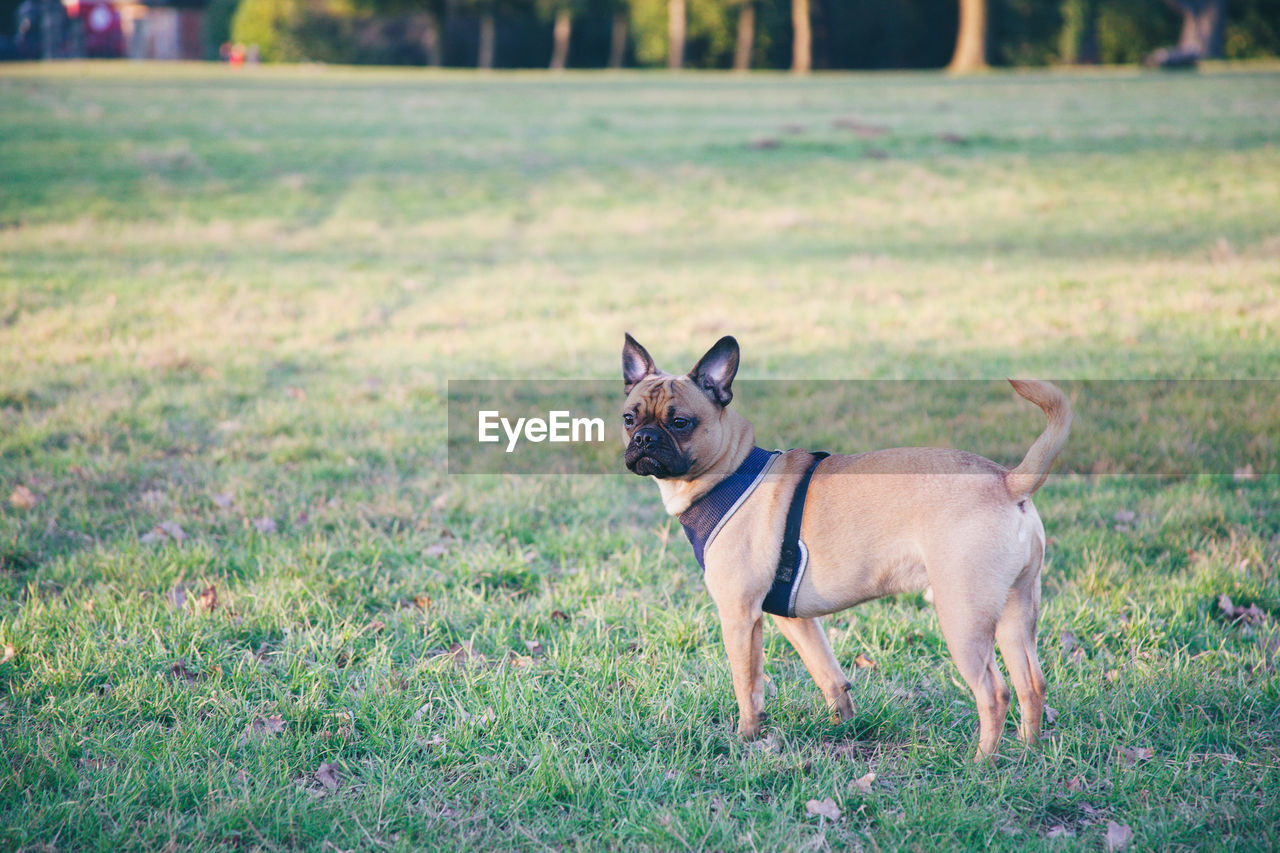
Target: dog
[(955, 525)]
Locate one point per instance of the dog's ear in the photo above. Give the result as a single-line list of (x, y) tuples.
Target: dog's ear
[(636, 364), (715, 371)]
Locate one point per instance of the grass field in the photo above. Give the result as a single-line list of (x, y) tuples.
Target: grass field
[(243, 605)]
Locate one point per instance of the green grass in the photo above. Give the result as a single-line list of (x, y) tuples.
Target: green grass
[(255, 285)]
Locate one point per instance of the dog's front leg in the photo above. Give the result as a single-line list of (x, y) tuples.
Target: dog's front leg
[(808, 638), (744, 642)]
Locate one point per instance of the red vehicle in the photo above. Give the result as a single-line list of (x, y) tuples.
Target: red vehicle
[(100, 25)]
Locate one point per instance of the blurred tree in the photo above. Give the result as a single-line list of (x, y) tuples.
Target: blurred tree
[(971, 38), (801, 38), (746, 35), (422, 17), (562, 12), (269, 24), (618, 34), (1078, 38), (677, 23), (1202, 27)]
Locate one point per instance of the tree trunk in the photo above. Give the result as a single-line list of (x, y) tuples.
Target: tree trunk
[(1202, 26), (484, 59), (561, 32), (971, 39), (675, 34), (746, 36), (1078, 41), (618, 38), (431, 39), (802, 38)]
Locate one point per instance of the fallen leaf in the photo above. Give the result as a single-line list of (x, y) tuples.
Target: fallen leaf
[(9, 652), (1075, 783), (535, 648), (272, 725), (422, 602), (1245, 474), (265, 524), (1132, 757), (177, 597), (1119, 835), (864, 784), (462, 654), (377, 626), (179, 671), (22, 498), (864, 662), (422, 712), (209, 598), (559, 616), (1050, 715), (164, 532), (327, 775), (823, 808)]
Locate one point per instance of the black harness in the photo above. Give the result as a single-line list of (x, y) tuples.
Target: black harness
[(704, 518)]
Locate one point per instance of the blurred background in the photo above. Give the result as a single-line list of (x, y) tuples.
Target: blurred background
[(741, 34)]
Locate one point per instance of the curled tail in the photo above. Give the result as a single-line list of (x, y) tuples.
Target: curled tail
[(1034, 468)]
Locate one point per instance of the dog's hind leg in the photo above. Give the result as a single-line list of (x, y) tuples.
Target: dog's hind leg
[(971, 638), (808, 638), (1016, 634)]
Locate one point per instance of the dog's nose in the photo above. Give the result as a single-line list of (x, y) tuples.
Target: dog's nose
[(645, 437)]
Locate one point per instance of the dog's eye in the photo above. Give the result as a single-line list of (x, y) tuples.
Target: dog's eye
[(680, 423), (628, 419)]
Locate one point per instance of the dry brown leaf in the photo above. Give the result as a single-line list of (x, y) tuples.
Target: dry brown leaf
[(422, 602), (535, 648), (177, 597), (272, 725), (22, 498), (864, 784), (179, 671), (209, 598), (823, 808), (1132, 757), (461, 654), (864, 662), (376, 626), (1119, 835), (327, 775), (559, 616), (9, 652)]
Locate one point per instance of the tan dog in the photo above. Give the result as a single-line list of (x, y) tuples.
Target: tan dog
[(890, 521)]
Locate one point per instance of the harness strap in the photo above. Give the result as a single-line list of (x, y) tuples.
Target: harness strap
[(793, 557)]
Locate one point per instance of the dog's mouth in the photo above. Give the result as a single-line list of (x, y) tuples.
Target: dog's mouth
[(649, 465)]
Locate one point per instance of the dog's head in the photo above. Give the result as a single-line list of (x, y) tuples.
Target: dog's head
[(675, 425)]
